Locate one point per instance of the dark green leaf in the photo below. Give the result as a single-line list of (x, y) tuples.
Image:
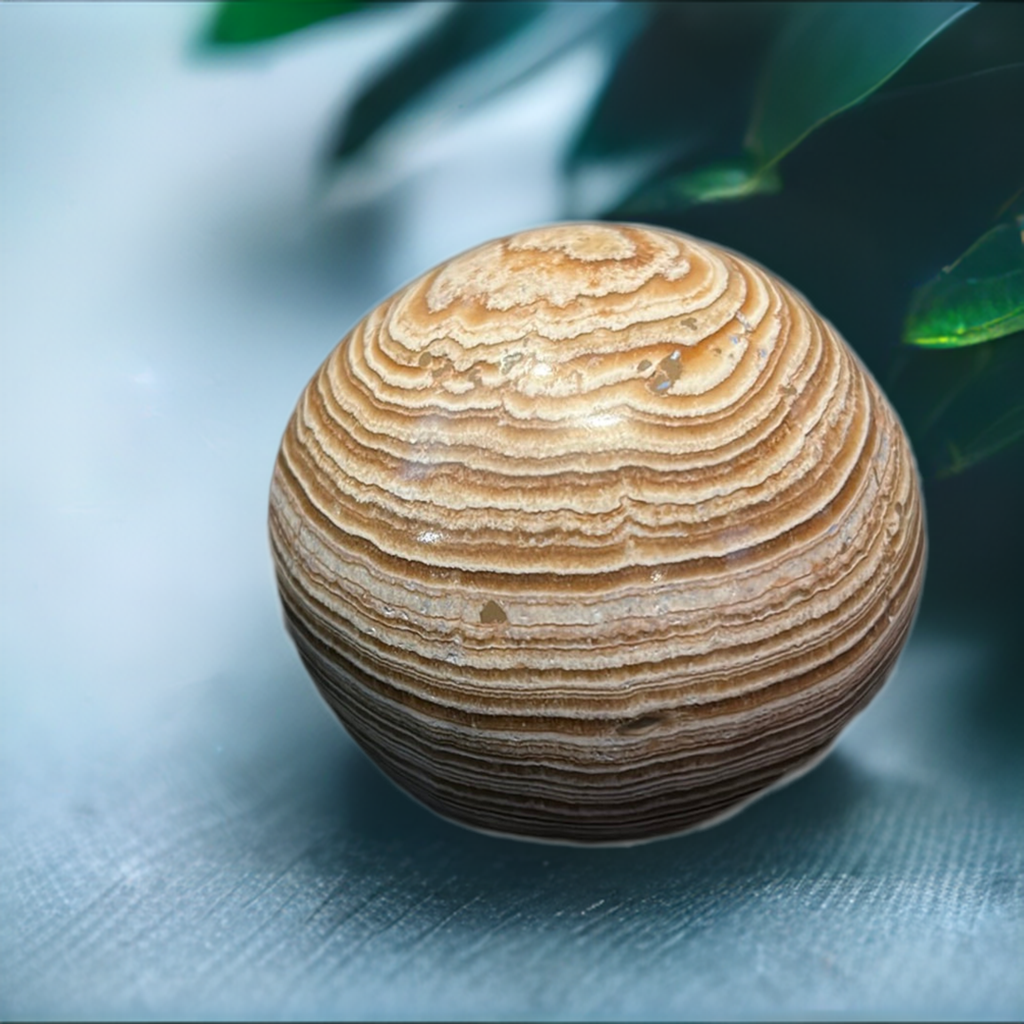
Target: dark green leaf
[(875, 202), (467, 32), (688, 74), (975, 299), (817, 60), (832, 57), (984, 442), (725, 179), (961, 405), (988, 36), (681, 90), (254, 21)]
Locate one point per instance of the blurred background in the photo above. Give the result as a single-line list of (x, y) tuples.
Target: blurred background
[(196, 203)]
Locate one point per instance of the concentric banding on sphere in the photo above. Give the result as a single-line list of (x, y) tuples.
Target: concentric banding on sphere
[(594, 532)]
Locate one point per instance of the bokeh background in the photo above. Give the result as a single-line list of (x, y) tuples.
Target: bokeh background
[(185, 831)]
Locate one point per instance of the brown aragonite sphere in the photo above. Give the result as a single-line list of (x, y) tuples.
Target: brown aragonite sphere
[(594, 533)]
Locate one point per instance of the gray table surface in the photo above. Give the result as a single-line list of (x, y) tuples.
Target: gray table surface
[(186, 832)]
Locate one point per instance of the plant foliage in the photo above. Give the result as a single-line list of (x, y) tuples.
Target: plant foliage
[(465, 33), (977, 298), (865, 151), (255, 21), (831, 57)]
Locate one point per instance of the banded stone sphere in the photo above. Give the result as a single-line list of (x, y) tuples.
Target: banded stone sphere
[(594, 533)]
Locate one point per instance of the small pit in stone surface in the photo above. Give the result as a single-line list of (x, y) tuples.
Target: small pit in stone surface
[(510, 360), (643, 723), (669, 370), (492, 613)]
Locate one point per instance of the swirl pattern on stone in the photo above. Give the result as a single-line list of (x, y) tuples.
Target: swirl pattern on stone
[(594, 533)]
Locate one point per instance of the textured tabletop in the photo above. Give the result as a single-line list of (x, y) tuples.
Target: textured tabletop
[(186, 830)]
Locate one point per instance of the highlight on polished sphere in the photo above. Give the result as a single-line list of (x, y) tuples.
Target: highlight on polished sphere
[(594, 533)]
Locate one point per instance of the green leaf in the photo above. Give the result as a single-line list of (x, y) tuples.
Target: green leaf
[(254, 21), (689, 72), (987, 36), (833, 56), (468, 31), (981, 444), (961, 406), (975, 299), (681, 89), (818, 60), (875, 201), (724, 179)]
